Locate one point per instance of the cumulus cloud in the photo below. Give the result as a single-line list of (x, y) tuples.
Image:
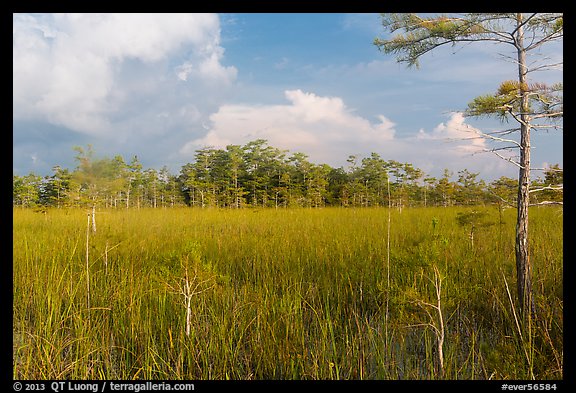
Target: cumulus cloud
[(86, 72), (320, 126), (466, 138), (458, 145)]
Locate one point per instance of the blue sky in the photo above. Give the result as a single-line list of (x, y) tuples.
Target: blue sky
[(161, 86)]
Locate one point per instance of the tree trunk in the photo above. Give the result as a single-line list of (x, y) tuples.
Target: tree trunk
[(154, 196), (236, 198), (523, 268)]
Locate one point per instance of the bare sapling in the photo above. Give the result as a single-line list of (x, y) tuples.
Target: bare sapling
[(388, 261), (436, 323), (188, 287), (88, 265), (94, 218)]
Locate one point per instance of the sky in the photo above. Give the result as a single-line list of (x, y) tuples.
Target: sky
[(161, 86)]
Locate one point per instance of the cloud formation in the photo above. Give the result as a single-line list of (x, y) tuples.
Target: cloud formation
[(466, 139), (322, 127), (86, 71)]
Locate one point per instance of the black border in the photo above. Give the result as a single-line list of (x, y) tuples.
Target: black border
[(299, 6)]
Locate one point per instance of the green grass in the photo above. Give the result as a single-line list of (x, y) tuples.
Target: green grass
[(282, 294)]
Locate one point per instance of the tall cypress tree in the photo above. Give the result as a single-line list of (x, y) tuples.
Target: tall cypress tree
[(531, 105)]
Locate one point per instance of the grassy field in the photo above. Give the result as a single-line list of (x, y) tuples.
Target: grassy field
[(282, 294)]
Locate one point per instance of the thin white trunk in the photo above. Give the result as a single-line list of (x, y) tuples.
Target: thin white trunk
[(94, 219)]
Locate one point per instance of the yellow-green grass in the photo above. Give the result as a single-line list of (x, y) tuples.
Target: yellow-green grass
[(281, 294)]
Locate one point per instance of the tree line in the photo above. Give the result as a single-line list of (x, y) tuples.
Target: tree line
[(259, 175)]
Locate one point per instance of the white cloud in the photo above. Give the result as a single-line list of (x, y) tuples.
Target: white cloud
[(458, 145), (322, 127), (466, 138), (86, 71), (208, 68)]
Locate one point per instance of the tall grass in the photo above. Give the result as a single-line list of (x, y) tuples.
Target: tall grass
[(280, 294)]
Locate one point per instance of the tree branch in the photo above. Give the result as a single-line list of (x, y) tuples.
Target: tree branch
[(522, 24), (550, 187), (547, 203), (506, 158), (502, 199), (545, 67)]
